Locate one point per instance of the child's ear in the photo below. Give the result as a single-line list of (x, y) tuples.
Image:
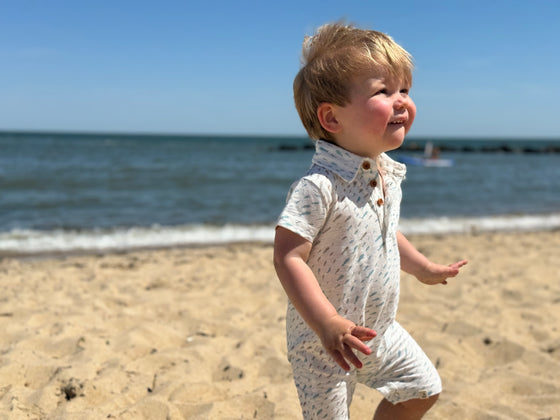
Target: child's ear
[(327, 117)]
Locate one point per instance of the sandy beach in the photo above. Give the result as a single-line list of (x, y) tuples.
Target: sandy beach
[(198, 333)]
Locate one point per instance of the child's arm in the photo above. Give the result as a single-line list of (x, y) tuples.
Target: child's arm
[(415, 263), (338, 335)]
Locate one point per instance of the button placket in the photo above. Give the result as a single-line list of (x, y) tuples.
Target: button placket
[(374, 197), (376, 201)]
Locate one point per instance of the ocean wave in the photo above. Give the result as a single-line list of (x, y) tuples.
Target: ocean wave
[(31, 242), (504, 223)]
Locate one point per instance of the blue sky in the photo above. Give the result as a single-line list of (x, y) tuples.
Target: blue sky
[(483, 68)]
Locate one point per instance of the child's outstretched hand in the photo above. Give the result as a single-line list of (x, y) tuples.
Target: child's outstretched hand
[(436, 273), (340, 336)]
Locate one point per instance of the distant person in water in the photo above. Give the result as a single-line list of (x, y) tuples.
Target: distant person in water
[(337, 251), (431, 152)]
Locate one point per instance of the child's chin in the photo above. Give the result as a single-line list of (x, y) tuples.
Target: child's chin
[(396, 142)]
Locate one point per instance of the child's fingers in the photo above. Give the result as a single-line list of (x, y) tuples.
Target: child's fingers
[(363, 333), (351, 357), (346, 355), (342, 351), (459, 264), (339, 359), (453, 269), (355, 343)]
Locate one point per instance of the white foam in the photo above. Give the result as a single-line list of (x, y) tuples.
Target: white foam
[(507, 223), (61, 241)]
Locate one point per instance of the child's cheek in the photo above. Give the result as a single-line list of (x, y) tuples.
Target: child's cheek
[(411, 115)]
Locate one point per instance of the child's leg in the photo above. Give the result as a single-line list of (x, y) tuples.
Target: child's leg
[(407, 410), (324, 389), (402, 373)]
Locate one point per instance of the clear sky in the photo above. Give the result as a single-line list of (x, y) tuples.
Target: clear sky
[(483, 67)]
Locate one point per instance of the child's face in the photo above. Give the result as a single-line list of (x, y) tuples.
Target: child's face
[(378, 116)]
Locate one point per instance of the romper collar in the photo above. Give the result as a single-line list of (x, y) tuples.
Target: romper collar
[(347, 164)]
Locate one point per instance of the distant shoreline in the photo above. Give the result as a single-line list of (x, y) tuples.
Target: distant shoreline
[(458, 144), (418, 146)]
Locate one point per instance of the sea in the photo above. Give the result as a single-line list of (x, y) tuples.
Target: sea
[(84, 192)]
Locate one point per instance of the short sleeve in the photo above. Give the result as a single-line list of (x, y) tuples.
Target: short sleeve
[(306, 210)]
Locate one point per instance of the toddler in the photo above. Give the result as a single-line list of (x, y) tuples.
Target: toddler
[(337, 251)]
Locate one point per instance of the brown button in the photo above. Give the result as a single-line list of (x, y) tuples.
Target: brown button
[(373, 183), (366, 165), (380, 202)]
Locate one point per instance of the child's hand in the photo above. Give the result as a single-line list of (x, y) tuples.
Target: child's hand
[(339, 336), (437, 273)]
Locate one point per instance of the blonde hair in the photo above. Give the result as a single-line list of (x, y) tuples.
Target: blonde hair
[(332, 58)]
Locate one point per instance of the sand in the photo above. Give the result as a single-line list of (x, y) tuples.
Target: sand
[(198, 333)]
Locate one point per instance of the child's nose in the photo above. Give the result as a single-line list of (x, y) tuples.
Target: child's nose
[(400, 103)]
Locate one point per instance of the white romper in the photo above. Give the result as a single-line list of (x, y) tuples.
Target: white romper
[(351, 218)]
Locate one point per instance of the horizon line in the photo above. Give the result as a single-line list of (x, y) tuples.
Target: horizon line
[(254, 135)]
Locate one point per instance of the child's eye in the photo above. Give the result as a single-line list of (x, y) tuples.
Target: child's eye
[(405, 91), (381, 92)]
